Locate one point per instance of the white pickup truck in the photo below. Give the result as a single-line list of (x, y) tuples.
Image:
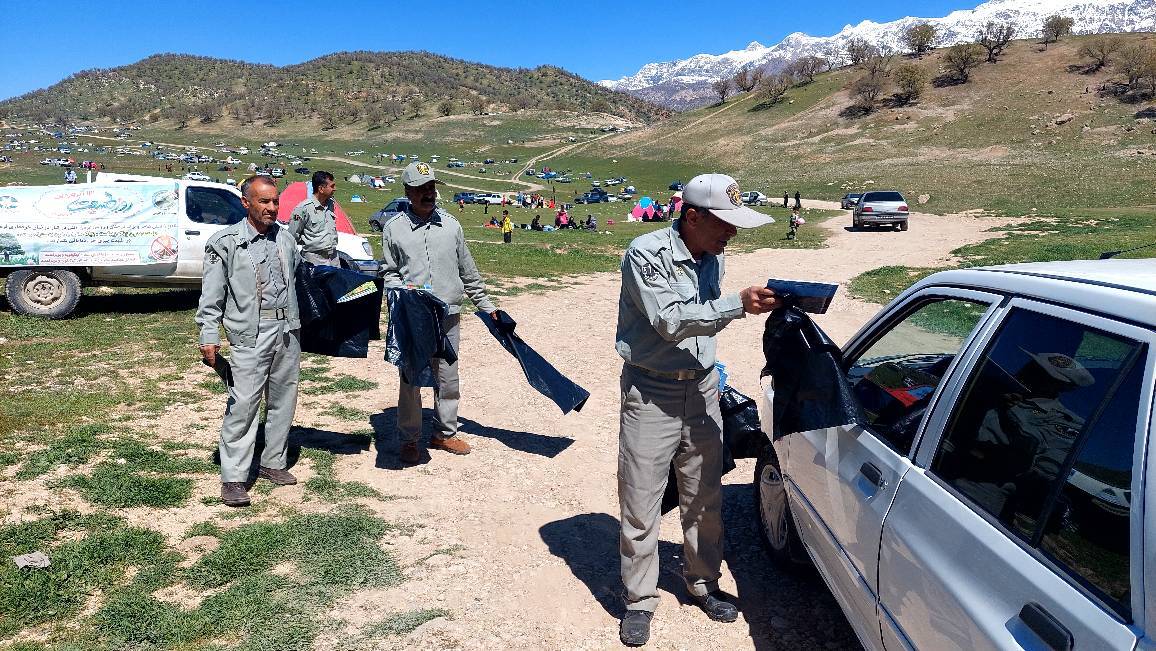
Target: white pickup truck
[(122, 230)]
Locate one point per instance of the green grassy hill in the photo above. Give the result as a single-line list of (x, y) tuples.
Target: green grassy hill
[(367, 90)]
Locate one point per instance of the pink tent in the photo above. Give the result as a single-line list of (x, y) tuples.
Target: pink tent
[(299, 191), (638, 211)]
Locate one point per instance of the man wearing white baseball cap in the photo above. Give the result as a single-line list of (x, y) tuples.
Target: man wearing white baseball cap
[(425, 247), (669, 311)]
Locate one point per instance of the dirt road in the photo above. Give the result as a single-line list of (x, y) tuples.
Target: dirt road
[(528, 522)]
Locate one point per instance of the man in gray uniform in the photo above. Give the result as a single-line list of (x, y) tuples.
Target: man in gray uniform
[(425, 248), (669, 311), (314, 223), (248, 288)]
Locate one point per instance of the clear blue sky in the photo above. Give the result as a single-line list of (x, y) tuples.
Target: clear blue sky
[(45, 41)]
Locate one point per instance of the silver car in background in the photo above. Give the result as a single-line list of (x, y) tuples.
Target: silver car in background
[(996, 495), (880, 208)]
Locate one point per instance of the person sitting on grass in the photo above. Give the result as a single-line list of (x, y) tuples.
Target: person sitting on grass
[(536, 224)]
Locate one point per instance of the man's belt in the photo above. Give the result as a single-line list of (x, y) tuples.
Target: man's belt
[(278, 314), (684, 374)]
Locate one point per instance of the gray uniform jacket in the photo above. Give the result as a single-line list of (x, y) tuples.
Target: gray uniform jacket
[(432, 253), (670, 308), (229, 287), (315, 226)]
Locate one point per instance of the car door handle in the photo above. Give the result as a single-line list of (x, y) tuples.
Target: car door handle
[(873, 474), (1047, 627), (192, 232)]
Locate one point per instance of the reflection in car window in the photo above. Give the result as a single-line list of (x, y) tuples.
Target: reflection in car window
[(895, 378), (1042, 440), (213, 206)]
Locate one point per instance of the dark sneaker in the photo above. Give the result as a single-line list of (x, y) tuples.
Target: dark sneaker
[(233, 493), (635, 627), (453, 445), (717, 607), (279, 477), (409, 453)]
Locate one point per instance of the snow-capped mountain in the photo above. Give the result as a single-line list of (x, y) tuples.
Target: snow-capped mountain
[(686, 83)]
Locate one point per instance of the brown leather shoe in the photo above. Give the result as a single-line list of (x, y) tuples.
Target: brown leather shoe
[(409, 453), (279, 477), (233, 493), (453, 445)]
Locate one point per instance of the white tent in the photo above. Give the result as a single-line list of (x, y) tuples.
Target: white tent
[(354, 178)]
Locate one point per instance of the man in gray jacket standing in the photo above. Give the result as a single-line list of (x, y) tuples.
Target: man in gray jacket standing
[(248, 288), (314, 222), (424, 248)]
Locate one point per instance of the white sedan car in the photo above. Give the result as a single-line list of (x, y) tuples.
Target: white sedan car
[(994, 494)]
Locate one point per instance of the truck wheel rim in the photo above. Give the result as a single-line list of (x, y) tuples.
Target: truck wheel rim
[(773, 507), (44, 290)]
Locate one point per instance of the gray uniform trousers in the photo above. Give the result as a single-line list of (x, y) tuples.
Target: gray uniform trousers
[(271, 368), (320, 258), (664, 420), (446, 396)]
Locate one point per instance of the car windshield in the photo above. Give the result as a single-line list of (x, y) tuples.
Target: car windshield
[(883, 196)]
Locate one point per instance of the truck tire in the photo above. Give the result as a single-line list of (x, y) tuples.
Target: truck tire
[(47, 293), (776, 524)]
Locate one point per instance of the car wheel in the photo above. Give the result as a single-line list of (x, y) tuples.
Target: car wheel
[(776, 524), (903, 225), (48, 293)]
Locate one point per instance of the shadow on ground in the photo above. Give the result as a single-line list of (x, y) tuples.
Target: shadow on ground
[(782, 608), (386, 441)]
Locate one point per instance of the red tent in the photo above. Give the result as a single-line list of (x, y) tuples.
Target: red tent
[(299, 191)]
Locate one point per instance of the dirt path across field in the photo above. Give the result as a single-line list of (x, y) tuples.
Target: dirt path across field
[(530, 518)]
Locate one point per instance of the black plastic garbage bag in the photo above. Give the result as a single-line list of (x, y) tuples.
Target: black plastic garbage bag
[(416, 334), (340, 310), (811, 390), (541, 375)]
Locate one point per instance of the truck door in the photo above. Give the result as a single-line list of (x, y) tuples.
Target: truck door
[(207, 210), (1020, 525), (847, 476)]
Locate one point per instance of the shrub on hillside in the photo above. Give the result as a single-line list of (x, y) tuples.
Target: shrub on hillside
[(1100, 49), (866, 90), (993, 37), (1136, 62), (919, 38), (910, 79), (1055, 27), (961, 59)]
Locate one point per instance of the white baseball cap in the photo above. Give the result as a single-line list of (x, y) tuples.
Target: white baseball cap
[(418, 174), (720, 194)]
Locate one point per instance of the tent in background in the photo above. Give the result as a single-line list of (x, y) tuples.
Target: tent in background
[(299, 191), (644, 209), (353, 178)]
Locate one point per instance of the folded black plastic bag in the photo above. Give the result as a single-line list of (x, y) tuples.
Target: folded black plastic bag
[(541, 375), (340, 310), (811, 390)]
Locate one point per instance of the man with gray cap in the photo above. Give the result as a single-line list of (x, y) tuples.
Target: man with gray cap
[(669, 311), (247, 287), (314, 222), (425, 248)]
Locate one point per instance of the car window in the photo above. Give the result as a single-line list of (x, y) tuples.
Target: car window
[(213, 206), (883, 196), (1042, 440), (896, 376)]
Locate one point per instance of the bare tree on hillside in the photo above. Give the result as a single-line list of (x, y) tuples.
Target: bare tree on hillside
[(1134, 61), (773, 87), (1100, 49), (478, 104), (993, 37), (880, 63), (745, 80), (374, 116), (521, 102), (805, 68), (919, 38), (416, 106), (722, 88), (446, 107), (859, 50), (866, 90), (910, 79), (1055, 27), (961, 59), (834, 56)]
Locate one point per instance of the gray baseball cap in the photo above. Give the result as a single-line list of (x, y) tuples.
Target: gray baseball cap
[(418, 174), (720, 194)]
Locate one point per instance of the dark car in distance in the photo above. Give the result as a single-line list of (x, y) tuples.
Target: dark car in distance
[(849, 200), (377, 220), (596, 195), (467, 197)]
